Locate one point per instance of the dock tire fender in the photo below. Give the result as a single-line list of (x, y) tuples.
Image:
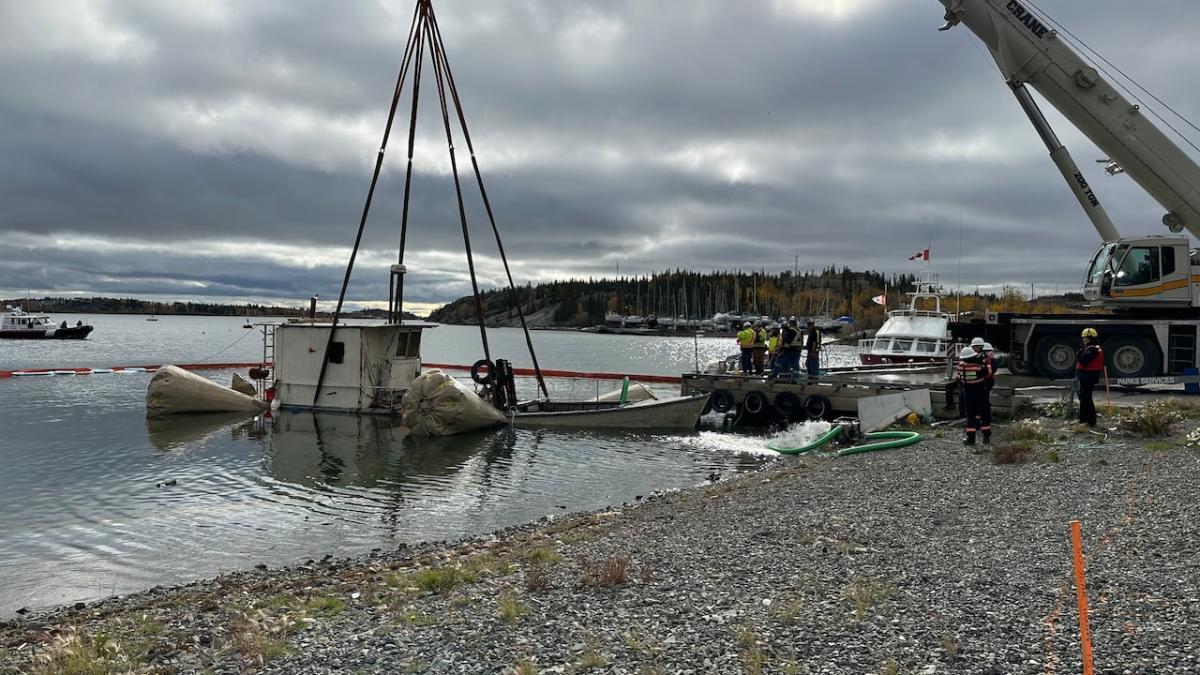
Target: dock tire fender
[(788, 405), (755, 403), (818, 407), (722, 400), (483, 371)]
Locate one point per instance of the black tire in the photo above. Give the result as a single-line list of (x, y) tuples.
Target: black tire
[(818, 407), (1128, 356), (755, 403), (1018, 365), (788, 405), (1055, 356), (483, 372), (722, 400)]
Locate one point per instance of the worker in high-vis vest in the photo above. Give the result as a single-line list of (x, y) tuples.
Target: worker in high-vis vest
[(745, 339), (773, 345), (976, 397), (760, 348), (1089, 365)]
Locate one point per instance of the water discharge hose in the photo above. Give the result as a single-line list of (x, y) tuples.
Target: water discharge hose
[(885, 440), (882, 440), (825, 438)]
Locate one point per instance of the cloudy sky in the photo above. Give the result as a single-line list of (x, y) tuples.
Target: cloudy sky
[(222, 149)]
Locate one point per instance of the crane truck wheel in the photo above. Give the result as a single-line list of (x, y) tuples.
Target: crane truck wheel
[(1128, 356), (1055, 356), (1019, 365)]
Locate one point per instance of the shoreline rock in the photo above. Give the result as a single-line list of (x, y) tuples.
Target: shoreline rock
[(926, 559)]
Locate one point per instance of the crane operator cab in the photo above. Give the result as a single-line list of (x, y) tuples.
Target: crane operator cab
[(1146, 271)]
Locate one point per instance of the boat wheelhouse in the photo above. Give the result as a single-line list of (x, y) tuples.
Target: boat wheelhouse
[(368, 370), (916, 334)]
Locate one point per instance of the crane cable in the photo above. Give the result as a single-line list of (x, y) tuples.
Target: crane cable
[(1086, 47)]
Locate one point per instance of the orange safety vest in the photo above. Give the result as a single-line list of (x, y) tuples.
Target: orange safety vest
[(972, 372)]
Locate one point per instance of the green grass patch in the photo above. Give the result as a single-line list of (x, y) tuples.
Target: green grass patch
[(1153, 419), (865, 594), (511, 608), (325, 606)]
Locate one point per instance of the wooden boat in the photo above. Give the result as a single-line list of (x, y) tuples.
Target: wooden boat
[(681, 412)]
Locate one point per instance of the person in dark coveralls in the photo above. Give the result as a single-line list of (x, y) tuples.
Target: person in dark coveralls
[(790, 347), (812, 350), (976, 400), (1089, 365)]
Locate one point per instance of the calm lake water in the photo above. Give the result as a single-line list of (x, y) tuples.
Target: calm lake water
[(86, 511)]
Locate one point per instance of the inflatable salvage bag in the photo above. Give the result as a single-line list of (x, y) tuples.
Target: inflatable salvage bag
[(438, 405), (175, 390)]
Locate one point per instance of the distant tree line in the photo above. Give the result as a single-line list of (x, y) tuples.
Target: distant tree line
[(99, 305), (700, 295)]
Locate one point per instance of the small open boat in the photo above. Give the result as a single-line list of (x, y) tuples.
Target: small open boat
[(681, 412)]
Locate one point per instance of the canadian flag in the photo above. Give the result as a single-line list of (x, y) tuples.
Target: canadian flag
[(879, 299), (921, 255)]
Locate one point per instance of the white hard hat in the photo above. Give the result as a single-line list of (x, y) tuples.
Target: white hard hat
[(791, 318), (977, 342), (746, 325), (987, 347), (966, 353)]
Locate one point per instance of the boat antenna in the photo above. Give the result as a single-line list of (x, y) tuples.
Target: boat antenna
[(362, 223)]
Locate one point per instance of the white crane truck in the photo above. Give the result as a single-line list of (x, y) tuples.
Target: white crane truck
[(1151, 283)]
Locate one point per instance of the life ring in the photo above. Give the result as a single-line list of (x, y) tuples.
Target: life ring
[(817, 407), (483, 372), (722, 400), (788, 405), (755, 403)]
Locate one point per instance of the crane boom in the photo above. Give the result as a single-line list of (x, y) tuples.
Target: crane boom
[(1027, 50)]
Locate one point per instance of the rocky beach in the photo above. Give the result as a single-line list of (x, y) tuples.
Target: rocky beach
[(934, 558)]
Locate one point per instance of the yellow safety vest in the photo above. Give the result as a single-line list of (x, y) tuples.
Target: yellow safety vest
[(773, 344), (745, 338)]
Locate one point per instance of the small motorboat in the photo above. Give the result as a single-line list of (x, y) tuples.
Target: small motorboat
[(20, 325), (680, 412)]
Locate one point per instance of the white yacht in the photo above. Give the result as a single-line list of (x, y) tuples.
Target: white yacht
[(916, 334), (20, 325)]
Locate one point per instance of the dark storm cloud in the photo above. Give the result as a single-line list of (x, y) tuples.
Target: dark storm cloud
[(224, 148)]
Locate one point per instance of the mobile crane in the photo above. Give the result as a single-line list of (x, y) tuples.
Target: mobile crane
[(1150, 282)]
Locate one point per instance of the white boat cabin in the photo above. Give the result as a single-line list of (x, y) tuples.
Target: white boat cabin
[(370, 367), (920, 332), (15, 319)]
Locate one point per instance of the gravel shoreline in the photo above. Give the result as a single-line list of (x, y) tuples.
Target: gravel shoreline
[(926, 559)]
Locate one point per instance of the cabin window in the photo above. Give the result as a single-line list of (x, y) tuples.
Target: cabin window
[(926, 346), (882, 344), (1140, 266), (337, 352), (1168, 260), (410, 345), (902, 346)]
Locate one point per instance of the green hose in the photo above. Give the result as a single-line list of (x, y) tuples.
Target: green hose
[(887, 439), (828, 436)]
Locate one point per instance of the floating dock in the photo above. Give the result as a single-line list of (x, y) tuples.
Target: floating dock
[(758, 398)]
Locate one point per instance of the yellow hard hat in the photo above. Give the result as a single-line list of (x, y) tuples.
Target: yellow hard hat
[(1089, 332)]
